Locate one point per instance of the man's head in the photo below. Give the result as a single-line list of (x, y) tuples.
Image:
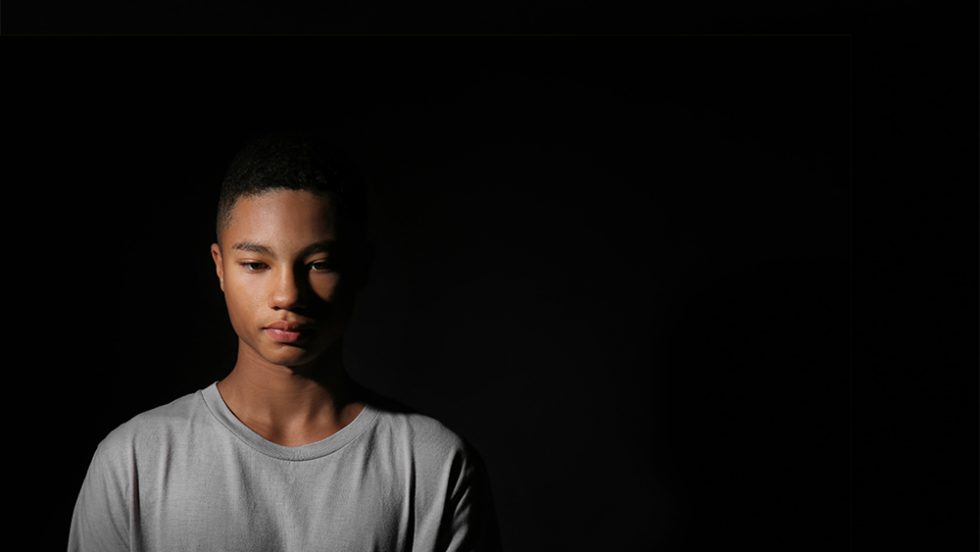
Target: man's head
[(291, 246), (296, 160)]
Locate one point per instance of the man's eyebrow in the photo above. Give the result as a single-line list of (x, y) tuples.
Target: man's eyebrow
[(253, 247), (324, 246)]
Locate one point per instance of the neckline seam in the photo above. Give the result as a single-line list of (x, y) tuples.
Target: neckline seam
[(277, 454)]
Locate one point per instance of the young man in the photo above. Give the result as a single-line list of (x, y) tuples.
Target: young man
[(286, 453)]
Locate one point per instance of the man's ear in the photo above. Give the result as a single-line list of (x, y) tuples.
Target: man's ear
[(218, 266)]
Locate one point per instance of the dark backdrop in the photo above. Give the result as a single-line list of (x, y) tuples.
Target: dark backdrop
[(619, 267)]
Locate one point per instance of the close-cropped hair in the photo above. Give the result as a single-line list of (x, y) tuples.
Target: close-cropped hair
[(297, 160)]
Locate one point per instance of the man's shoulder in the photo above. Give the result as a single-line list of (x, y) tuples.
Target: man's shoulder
[(155, 425), (407, 424), (438, 451), (425, 434)]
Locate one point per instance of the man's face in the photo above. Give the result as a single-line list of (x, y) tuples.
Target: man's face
[(276, 266)]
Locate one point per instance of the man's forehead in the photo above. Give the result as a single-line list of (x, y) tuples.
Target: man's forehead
[(281, 220), (283, 211), (275, 241), (277, 249), (284, 200)]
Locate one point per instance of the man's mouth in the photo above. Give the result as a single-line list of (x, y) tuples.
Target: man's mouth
[(286, 336), (286, 331)]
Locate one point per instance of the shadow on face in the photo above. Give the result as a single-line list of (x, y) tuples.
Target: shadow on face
[(281, 261)]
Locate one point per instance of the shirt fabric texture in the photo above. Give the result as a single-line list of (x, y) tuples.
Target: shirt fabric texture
[(190, 476)]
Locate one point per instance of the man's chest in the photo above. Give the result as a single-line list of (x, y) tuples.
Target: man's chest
[(246, 503)]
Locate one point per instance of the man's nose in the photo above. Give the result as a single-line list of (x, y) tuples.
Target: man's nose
[(288, 291)]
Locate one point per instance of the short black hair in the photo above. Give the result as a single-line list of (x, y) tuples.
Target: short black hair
[(297, 160)]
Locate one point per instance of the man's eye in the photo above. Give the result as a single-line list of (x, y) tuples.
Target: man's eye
[(320, 266), (253, 267)]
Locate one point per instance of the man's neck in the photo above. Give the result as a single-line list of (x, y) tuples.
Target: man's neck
[(288, 406)]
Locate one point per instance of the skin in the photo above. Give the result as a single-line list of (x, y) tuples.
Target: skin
[(297, 393)]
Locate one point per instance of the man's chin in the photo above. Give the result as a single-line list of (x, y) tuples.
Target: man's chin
[(290, 355)]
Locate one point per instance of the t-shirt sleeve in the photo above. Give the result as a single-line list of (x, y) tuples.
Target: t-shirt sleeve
[(100, 521), (471, 522)]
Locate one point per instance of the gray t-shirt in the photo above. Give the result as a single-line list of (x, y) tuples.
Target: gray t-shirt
[(190, 475)]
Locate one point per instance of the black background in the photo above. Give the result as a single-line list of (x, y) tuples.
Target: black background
[(623, 267), (249, 17)]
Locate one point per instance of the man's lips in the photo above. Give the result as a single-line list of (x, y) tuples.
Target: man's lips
[(288, 326), (287, 332)]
